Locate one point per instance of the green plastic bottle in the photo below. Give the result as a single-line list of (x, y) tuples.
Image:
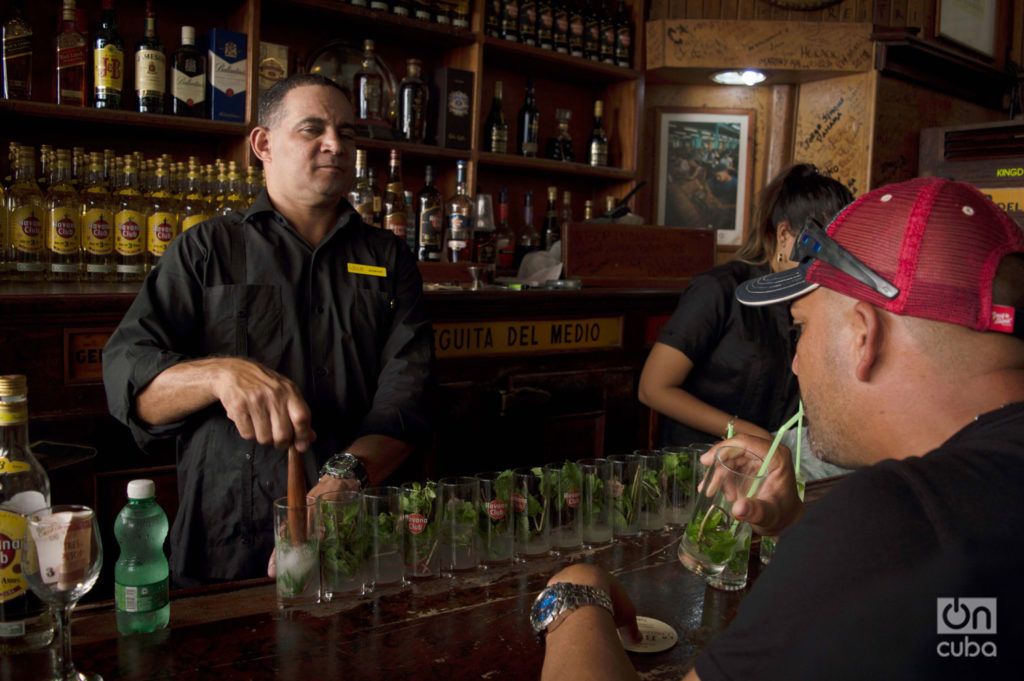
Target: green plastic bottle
[(140, 574)]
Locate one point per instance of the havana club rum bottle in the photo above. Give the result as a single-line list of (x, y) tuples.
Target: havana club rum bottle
[(64, 223), (361, 196), (194, 208), (97, 224), (129, 226), (162, 217), (27, 221), (458, 245)]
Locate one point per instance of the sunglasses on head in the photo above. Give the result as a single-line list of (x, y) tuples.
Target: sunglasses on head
[(813, 243)]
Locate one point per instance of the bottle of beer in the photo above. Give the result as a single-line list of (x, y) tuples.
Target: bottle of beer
[(394, 198), (431, 220)]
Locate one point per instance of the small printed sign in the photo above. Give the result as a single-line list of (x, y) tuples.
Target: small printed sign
[(369, 270), (481, 339), (656, 636), (83, 355), (1010, 200)]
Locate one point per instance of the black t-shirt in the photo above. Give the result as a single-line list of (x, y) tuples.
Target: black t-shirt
[(741, 355), (854, 590)]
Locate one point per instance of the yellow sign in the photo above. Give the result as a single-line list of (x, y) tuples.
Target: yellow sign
[(99, 231), (476, 339), (129, 239), (162, 227), (1010, 200), (372, 270)]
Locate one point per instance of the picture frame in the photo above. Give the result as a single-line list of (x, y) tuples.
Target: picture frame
[(703, 170), (970, 24)]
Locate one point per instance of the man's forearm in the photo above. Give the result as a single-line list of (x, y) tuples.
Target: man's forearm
[(586, 646), (381, 454), (177, 392)]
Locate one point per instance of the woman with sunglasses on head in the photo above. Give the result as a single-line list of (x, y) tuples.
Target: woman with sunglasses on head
[(718, 363)]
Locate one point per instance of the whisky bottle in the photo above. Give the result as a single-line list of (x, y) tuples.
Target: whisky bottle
[(460, 14), (194, 208), (566, 217), (623, 37), (529, 239), (394, 198), (607, 46), (496, 129), (26, 222), (546, 24), (378, 198), (430, 220), (458, 242), (561, 26), (492, 18), (609, 205), (161, 218), (504, 237), (369, 87), (577, 28), (150, 68), (528, 22), (510, 21), (188, 77), (97, 224), (25, 621), (129, 226), (400, 8), (552, 226), (361, 196), (107, 61), (17, 54), (411, 237), (560, 146), (412, 104), (484, 243), (598, 145), (63, 223), (592, 31), (70, 48), (529, 123)]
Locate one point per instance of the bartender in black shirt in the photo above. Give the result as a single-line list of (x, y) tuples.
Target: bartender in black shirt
[(294, 324)]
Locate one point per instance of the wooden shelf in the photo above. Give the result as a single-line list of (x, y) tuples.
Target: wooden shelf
[(384, 25), (412, 149), (112, 118), (552, 64), (489, 160)]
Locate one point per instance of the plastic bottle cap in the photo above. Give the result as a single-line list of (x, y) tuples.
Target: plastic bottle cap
[(141, 489)]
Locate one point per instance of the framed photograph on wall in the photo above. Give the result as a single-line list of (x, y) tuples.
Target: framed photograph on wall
[(703, 171), (970, 24)]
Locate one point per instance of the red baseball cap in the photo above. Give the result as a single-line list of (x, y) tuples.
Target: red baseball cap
[(938, 242)]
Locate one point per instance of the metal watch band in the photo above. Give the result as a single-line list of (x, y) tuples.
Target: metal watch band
[(558, 600), (346, 465)]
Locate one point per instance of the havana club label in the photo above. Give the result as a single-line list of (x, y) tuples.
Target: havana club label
[(161, 230), (129, 238), (416, 523), (27, 229), (65, 238), (12, 582), (99, 231)]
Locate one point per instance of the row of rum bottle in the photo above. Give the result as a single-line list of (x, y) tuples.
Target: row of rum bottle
[(455, 13), (107, 218), (587, 29), (559, 147)]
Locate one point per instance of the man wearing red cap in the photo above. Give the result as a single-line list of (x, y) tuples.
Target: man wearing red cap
[(911, 367)]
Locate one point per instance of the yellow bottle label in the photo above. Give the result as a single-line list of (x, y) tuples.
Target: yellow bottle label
[(162, 227), (109, 68), (27, 229), (13, 412), (191, 221), (99, 232), (65, 236), (8, 466), (12, 532), (129, 238)]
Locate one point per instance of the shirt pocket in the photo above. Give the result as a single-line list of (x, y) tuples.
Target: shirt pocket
[(373, 310), (243, 320)]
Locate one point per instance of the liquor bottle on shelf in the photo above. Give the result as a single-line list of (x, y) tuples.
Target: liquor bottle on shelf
[(421, 10), (597, 154), (361, 196), (592, 30), (369, 88), (194, 208), (609, 205), (63, 224), (496, 129), (129, 226), (608, 31), (359, 3), (162, 217), (442, 14), (78, 167), (552, 227), (24, 618), (546, 24), (529, 239), (560, 146), (234, 193), (566, 216), (70, 48), (431, 220), (588, 210), (492, 18), (623, 37), (17, 54), (400, 8), (5, 238), (45, 167), (411, 237), (150, 67), (458, 241), (378, 198), (460, 14), (188, 77), (560, 31), (529, 123), (510, 21), (504, 237), (577, 28), (528, 22), (412, 104), (380, 5), (25, 200), (394, 198), (107, 61)]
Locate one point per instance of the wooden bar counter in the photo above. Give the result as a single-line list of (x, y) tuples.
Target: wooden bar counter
[(468, 627)]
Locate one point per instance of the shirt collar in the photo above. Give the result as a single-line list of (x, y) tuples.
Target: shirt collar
[(263, 205)]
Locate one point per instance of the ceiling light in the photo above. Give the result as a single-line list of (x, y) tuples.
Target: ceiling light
[(739, 77)]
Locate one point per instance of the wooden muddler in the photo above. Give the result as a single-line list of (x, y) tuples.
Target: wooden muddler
[(296, 497)]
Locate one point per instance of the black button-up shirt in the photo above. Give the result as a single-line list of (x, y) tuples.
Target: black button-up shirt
[(344, 320)]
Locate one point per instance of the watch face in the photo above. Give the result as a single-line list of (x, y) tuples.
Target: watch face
[(544, 607)]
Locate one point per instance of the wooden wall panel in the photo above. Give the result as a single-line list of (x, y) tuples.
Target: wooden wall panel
[(904, 110), (833, 127)]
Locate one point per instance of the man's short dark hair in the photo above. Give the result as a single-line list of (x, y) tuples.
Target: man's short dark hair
[(270, 101)]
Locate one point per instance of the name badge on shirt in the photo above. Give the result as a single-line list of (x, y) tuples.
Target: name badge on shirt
[(370, 270)]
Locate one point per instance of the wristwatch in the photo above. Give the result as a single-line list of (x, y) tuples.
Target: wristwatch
[(346, 466), (554, 604)]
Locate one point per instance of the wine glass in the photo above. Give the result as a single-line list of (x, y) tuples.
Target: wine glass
[(62, 559)]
